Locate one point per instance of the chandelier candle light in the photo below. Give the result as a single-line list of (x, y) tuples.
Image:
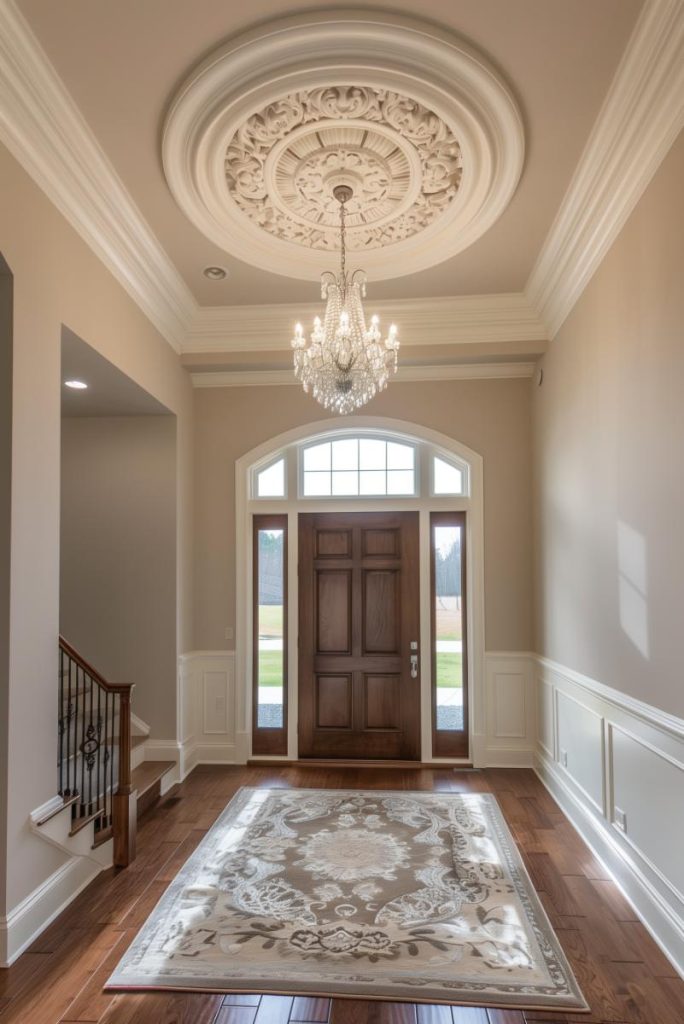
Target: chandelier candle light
[(346, 363)]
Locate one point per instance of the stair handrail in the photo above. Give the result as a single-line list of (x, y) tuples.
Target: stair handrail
[(87, 667), (123, 799)]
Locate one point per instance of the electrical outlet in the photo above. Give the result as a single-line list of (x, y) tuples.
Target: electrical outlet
[(620, 819), (564, 758), (229, 633)]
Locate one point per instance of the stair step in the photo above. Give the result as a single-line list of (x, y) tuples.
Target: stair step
[(103, 836), (136, 741), (66, 802), (80, 823), (148, 773)]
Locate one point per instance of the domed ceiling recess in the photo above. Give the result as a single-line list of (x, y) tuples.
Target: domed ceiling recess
[(418, 123)]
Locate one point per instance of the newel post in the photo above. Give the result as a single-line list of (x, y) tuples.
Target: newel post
[(125, 799)]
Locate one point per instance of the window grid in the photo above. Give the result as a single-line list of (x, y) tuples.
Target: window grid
[(359, 467)]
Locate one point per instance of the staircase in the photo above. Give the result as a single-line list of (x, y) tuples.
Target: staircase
[(103, 780)]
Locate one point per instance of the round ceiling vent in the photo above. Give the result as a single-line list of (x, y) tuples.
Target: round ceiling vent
[(422, 129)]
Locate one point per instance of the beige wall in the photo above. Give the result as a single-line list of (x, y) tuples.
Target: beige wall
[(58, 280), (6, 289), (609, 430), (492, 417), (118, 555)]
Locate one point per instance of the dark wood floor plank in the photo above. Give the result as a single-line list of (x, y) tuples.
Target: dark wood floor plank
[(624, 975), (304, 1009), (505, 1017)]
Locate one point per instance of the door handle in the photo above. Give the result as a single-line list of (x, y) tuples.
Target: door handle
[(414, 666)]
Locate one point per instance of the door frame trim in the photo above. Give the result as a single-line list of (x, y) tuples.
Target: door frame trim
[(472, 504)]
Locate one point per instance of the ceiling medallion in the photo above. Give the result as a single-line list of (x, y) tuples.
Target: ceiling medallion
[(346, 363), (418, 123), (402, 161)]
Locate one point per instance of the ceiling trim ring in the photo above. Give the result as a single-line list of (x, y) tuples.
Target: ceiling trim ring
[(398, 75)]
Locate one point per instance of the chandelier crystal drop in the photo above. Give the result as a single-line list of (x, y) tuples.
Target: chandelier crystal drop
[(346, 363)]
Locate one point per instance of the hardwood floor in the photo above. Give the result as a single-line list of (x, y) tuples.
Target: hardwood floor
[(625, 977)]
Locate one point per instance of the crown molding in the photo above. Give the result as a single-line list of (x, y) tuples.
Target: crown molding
[(640, 119), (442, 321), (44, 130), (405, 374)]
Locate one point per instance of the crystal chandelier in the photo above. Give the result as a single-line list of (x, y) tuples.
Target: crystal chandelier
[(346, 363)]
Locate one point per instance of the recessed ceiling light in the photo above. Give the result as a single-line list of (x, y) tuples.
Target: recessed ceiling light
[(215, 273), (77, 385)]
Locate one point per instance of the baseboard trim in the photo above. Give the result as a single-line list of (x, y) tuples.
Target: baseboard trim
[(28, 919), (664, 925)]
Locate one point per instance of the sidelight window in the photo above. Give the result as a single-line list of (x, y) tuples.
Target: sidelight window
[(270, 635), (448, 600)]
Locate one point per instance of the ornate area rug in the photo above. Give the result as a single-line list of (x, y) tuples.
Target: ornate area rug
[(376, 895)]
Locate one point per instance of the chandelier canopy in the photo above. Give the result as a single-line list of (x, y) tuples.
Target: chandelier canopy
[(346, 363)]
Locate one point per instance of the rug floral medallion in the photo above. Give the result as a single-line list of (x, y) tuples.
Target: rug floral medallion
[(391, 895)]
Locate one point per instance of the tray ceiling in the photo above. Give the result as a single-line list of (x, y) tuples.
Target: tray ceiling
[(123, 63)]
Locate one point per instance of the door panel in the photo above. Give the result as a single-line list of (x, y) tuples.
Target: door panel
[(333, 611), (358, 613), (334, 702)]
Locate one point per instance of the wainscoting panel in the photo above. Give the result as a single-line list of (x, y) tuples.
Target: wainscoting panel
[(510, 711), (579, 732), (206, 702), (616, 767)]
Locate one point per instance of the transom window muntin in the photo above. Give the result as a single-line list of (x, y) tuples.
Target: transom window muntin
[(360, 466)]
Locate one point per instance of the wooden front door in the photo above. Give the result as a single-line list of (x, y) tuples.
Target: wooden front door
[(358, 616)]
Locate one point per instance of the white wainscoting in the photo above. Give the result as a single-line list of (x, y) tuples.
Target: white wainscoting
[(509, 740), (616, 767), (206, 709)]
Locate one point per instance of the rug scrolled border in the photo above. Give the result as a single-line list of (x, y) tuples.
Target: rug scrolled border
[(366, 894)]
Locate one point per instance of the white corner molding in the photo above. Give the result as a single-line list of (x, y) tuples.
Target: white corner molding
[(43, 128), (405, 374), (615, 765), (461, 320), (640, 119)]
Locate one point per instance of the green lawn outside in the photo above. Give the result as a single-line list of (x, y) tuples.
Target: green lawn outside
[(449, 669), (271, 619)]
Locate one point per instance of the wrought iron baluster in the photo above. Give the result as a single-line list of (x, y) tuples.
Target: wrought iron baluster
[(74, 745), (98, 795), (81, 745), (62, 723)]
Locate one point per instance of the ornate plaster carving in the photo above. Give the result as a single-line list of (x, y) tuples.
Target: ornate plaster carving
[(419, 124), (402, 160)]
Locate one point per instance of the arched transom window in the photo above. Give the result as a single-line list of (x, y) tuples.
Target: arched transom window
[(349, 464)]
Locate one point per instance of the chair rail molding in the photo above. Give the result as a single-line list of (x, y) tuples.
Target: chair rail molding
[(639, 120), (615, 765)]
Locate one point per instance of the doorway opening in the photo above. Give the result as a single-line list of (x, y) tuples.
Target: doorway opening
[(360, 567)]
